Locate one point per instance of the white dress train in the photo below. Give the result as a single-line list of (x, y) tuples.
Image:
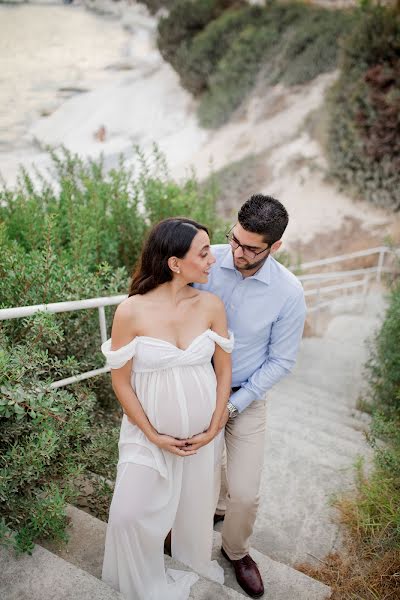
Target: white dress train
[(157, 491)]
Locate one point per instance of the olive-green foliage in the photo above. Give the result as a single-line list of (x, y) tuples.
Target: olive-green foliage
[(197, 59), (376, 509), (75, 239), (364, 107), (378, 502), (185, 20), (98, 217), (155, 5), (95, 217), (43, 275), (384, 363), (222, 58), (42, 431)]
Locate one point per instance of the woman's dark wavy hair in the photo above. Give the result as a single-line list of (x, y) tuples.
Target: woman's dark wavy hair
[(170, 237)]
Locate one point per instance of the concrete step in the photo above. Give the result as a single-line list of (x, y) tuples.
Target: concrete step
[(85, 549), (320, 441), (314, 436), (303, 387), (281, 582), (45, 576), (297, 384), (314, 406), (86, 546), (301, 475), (311, 418)]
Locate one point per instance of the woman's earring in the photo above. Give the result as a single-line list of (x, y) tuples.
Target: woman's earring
[(178, 271)]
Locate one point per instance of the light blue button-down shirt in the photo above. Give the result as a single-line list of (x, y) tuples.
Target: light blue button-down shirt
[(266, 313)]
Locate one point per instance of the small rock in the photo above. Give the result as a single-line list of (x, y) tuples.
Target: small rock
[(100, 134)]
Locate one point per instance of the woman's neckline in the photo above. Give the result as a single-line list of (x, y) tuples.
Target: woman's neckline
[(150, 337)]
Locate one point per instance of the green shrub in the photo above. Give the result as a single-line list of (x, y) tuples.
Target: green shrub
[(378, 501), (198, 58), (234, 76), (310, 46), (155, 5), (42, 431), (221, 54), (95, 216), (73, 240), (383, 367), (364, 106), (185, 20)]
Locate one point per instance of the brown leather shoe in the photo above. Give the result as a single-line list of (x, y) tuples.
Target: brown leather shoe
[(218, 518), (167, 544), (247, 575)]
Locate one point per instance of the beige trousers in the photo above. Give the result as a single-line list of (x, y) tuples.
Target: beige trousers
[(240, 478)]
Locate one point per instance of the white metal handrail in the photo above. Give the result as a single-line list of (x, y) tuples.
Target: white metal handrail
[(342, 274), (99, 303), (334, 288), (20, 312), (380, 250)]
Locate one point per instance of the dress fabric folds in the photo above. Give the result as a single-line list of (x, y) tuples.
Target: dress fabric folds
[(156, 491)]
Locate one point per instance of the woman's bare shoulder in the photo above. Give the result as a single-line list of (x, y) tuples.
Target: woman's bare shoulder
[(210, 300), (129, 306), (127, 315)]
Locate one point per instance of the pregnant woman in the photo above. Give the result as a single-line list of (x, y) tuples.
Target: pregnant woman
[(163, 339)]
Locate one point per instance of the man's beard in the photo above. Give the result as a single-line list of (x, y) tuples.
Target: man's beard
[(246, 266)]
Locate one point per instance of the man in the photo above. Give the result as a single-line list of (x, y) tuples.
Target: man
[(266, 312)]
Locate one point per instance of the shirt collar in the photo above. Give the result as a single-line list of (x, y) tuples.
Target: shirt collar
[(263, 274)]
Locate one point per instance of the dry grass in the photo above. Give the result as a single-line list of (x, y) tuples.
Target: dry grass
[(368, 567), (358, 575)]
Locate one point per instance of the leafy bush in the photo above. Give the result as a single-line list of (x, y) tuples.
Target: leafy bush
[(71, 240), (96, 217), (368, 565), (383, 366), (223, 57), (310, 46), (364, 131), (234, 77), (42, 434), (155, 5), (198, 58), (185, 20), (372, 514)]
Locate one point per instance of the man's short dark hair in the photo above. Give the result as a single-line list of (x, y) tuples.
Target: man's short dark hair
[(264, 215)]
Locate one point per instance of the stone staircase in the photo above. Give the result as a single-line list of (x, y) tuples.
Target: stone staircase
[(72, 571), (314, 436)]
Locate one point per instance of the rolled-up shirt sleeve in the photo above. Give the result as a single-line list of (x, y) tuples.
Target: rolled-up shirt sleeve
[(286, 333)]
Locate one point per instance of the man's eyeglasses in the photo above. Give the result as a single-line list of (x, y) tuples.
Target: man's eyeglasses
[(247, 252)]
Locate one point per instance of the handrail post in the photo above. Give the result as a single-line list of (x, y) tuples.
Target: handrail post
[(380, 264), (103, 324), (364, 292), (316, 318)]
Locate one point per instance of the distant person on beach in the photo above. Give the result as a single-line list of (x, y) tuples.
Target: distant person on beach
[(266, 311), (165, 336)]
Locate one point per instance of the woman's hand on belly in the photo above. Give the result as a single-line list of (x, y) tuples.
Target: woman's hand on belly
[(201, 439), (173, 445)]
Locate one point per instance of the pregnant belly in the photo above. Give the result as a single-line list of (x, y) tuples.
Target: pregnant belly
[(178, 402)]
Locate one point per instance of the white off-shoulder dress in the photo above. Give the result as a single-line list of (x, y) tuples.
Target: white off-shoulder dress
[(155, 490)]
